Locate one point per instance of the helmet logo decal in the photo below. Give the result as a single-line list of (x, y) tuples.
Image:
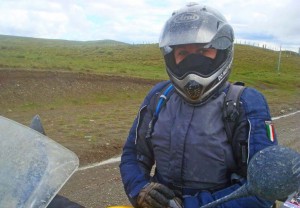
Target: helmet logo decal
[(193, 89), (186, 17), (223, 74)]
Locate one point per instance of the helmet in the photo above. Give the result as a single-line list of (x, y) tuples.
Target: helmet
[(195, 24)]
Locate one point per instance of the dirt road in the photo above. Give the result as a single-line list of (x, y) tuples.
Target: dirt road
[(101, 186)]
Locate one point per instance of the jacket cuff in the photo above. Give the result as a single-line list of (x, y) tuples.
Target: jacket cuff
[(132, 196)]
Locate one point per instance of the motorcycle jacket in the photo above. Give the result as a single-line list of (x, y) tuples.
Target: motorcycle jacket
[(189, 146)]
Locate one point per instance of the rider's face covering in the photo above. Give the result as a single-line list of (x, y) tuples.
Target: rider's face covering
[(194, 63)]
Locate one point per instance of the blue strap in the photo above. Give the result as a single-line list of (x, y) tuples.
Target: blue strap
[(162, 99)]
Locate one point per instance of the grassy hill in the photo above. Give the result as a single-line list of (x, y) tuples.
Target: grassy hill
[(255, 66)]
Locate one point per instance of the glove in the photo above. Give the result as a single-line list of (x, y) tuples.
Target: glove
[(155, 195)]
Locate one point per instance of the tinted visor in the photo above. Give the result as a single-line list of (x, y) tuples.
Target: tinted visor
[(195, 64)]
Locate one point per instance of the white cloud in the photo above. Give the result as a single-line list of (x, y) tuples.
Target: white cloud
[(266, 21), (140, 21)]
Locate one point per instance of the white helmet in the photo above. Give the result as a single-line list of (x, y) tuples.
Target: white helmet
[(207, 27)]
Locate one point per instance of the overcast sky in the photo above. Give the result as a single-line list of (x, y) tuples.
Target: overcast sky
[(140, 21)]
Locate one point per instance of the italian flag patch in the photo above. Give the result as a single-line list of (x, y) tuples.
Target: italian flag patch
[(270, 130)]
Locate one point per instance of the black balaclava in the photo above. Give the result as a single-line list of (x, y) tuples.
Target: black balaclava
[(196, 63)]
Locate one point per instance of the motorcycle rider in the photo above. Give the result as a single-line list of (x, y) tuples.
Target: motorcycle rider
[(194, 161)]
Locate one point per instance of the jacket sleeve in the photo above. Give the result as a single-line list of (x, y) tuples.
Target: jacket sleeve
[(258, 117), (133, 176)]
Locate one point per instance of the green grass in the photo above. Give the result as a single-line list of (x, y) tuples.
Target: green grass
[(257, 67), (96, 57)]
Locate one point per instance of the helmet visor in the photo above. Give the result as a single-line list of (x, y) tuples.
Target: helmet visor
[(195, 64)]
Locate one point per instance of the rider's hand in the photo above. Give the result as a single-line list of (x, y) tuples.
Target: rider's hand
[(155, 195)]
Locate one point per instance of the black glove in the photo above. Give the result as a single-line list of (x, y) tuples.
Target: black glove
[(155, 195)]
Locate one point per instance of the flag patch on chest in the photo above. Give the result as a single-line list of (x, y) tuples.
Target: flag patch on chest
[(270, 130)]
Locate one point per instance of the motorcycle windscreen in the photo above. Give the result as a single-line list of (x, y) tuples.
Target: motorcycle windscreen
[(33, 168)]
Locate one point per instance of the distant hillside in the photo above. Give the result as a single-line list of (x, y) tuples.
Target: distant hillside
[(55, 42), (105, 42), (257, 67), (103, 56)]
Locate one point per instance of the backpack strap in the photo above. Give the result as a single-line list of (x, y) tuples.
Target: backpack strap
[(231, 108), (163, 99), (159, 101), (231, 115)]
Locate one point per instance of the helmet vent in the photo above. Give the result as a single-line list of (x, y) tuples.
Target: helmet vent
[(204, 9), (193, 89), (191, 4)]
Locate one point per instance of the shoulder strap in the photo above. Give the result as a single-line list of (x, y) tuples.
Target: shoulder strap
[(231, 108), (163, 98), (156, 104)]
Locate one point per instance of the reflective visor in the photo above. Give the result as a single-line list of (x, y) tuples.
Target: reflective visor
[(198, 25)]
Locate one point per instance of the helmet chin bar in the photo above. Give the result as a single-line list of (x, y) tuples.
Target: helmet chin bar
[(193, 89)]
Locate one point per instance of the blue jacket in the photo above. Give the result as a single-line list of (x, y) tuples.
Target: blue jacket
[(134, 173)]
